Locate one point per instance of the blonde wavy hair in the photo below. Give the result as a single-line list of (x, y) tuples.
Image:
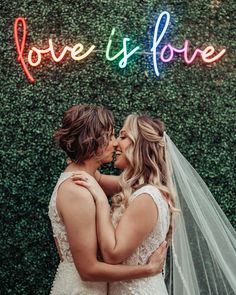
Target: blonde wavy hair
[(146, 157)]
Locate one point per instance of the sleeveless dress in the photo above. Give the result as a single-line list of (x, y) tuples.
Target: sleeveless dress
[(67, 280), (150, 285)]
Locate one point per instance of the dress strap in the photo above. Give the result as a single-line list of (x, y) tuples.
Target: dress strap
[(160, 202), (151, 190), (64, 176)]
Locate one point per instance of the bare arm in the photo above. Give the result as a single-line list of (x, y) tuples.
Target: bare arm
[(136, 223), (109, 183), (77, 208)]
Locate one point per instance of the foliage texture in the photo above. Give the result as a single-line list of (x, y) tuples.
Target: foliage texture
[(196, 103)]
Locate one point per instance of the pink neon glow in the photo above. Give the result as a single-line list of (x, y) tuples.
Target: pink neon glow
[(208, 51), (162, 56), (205, 54), (20, 22), (186, 47), (75, 51), (183, 50), (167, 53)]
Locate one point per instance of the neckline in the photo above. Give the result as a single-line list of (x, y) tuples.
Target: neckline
[(156, 188), (68, 172)]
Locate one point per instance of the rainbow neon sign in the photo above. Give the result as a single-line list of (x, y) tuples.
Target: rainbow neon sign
[(77, 52)]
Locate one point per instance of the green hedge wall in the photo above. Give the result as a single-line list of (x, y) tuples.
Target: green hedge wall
[(196, 102)]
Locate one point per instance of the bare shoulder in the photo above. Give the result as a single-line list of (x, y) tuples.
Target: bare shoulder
[(69, 193), (143, 206), (143, 201)]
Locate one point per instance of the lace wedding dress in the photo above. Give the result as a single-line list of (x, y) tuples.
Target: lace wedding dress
[(151, 285), (67, 280)]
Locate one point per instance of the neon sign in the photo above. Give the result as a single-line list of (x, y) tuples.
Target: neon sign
[(77, 53), (205, 54), (123, 61)]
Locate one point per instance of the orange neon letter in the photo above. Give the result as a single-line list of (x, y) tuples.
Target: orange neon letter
[(208, 51), (74, 51)]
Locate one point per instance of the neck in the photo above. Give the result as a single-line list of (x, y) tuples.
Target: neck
[(89, 166)]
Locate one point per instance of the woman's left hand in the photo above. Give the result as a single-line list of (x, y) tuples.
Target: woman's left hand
[(88, 181), (157, 259)]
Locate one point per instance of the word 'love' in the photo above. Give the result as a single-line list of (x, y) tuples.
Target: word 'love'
[(77, 52)]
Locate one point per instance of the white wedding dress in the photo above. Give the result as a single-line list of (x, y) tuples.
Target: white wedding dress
[(154, 285), (67, 280)]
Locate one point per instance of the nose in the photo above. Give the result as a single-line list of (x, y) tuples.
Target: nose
[(115, 142)]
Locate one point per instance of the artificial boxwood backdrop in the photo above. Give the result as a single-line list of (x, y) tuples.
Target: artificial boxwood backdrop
[(196, 103)]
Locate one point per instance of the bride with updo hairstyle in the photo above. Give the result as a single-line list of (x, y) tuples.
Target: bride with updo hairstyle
[(87, 137), (85, 130), (161, 197)]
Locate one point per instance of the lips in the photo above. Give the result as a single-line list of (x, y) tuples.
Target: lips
[(117, 154)]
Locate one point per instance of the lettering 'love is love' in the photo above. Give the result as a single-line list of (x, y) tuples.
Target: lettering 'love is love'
[(78, 53)]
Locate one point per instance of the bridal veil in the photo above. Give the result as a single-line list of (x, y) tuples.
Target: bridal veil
[(202, 258)]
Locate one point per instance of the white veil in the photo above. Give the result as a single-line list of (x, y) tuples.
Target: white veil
[(202, 258)]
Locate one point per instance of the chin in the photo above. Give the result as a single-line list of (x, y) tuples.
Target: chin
[(107, 160), (116, 165), (119, 165)]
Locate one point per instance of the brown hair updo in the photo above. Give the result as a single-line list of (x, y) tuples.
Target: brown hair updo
[(86, 130)]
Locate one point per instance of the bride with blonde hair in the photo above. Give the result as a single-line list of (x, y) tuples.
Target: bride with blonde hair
[(159, 196), (87, 137)]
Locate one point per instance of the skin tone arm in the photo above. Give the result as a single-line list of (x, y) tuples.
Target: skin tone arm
[(136, 223), (109, 183), (77, 209)]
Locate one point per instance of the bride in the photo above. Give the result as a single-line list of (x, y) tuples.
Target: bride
[(141, 210), (87, 137), (159, 190)]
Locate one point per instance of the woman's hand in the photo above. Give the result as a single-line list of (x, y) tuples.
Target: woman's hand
[(157, 259), (88, 181)]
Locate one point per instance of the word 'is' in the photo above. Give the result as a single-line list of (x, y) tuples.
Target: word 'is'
[(77, 53)]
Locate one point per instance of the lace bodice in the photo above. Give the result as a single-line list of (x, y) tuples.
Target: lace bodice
[(149, 285), (67, 279), (158, 234), (58, 227)]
